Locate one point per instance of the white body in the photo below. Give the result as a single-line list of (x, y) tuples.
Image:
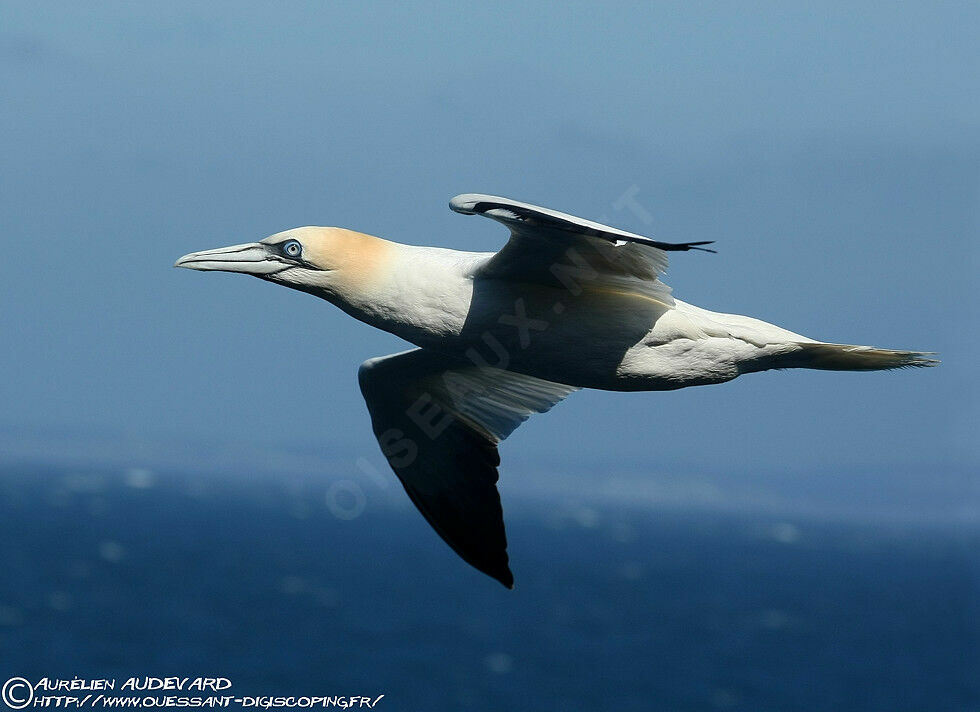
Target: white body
[(595, 338)]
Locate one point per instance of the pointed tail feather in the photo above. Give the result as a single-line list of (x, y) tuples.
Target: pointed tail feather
[(847, 357)]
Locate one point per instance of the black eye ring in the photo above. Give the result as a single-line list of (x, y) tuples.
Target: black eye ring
[(292, 248)]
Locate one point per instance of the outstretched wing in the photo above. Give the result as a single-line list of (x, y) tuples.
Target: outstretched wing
[(438, 420), (544, 244)]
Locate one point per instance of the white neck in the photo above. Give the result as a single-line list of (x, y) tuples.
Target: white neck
[(421, 294)]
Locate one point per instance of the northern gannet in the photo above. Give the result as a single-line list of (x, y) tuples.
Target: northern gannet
[(566, 304)]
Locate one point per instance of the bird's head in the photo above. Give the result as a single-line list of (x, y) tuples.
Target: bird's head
[(321, 260)]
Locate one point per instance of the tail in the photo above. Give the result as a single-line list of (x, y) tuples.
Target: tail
[(846, 357)]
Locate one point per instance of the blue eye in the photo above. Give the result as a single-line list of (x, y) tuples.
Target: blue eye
[(292, 248)]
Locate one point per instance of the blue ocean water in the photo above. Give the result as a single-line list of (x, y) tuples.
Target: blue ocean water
[(616, 607)]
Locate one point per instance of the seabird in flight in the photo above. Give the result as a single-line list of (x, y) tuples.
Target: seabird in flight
[(566, 304)]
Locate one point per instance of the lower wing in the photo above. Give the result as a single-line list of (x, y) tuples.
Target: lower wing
[(438, 420)]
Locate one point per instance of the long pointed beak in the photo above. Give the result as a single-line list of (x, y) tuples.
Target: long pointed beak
[(250, 258)]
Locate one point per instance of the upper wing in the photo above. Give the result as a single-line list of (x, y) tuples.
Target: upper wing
[(438, 420), (545, 244)]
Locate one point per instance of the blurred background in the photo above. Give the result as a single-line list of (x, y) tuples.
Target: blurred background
[(188, 479)]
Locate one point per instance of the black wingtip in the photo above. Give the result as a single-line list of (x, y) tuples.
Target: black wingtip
[(681, 246), (505, 577), (697, 246)]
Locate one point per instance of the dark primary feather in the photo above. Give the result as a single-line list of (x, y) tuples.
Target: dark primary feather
[(507, 210)]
